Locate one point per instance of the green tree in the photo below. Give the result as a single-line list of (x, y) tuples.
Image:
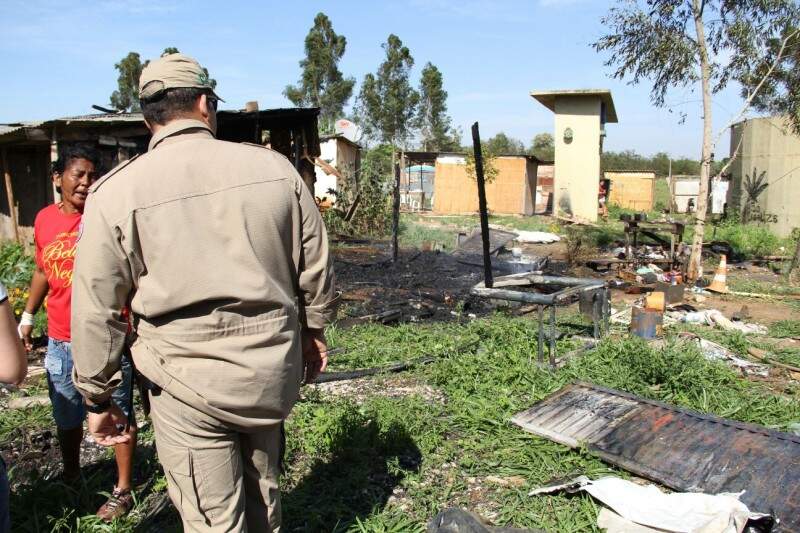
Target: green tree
[(502, 144), (543, 147), (170, 50), (780, 96), (321, 83), (387, 100), (699, 44), (126, 97), (434, 124)]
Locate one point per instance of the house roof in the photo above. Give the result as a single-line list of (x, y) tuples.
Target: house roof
[(629, 171), (548, 99), (16, 131)]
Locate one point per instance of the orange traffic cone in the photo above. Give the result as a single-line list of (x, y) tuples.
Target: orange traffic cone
[(720, 281)]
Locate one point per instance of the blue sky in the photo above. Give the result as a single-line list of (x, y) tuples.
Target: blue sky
[(57, 58)]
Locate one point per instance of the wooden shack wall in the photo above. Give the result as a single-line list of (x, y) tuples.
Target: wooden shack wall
[(29, 167), (632, 190), (511, 192)]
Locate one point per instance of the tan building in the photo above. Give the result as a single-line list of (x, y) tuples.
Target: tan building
[(580, 119), (768, 146), (510, 193), (632, 189)]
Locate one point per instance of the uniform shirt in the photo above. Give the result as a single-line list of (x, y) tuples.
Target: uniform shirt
[(55, 234), (222, 253)]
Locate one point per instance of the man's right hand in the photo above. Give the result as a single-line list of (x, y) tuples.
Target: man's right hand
[(25, 333)]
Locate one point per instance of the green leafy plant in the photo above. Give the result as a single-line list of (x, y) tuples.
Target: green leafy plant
[(754, 185)]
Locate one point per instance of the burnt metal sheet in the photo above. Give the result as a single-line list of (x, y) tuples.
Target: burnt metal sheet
[(473, 245), (682, 449)]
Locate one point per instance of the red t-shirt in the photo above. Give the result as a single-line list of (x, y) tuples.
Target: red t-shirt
[(56, 234)]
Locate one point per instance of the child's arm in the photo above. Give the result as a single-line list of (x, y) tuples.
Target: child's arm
[(13, 361), (36, 294)]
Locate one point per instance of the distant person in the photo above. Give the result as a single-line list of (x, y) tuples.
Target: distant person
[(56, 230), (223, 256), (602, 198), (13, 367)]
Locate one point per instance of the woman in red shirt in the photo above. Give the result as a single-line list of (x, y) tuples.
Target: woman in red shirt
[(56, 231)]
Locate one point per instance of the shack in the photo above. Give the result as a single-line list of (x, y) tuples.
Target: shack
[(511, 192), (338, 165), (632, 189), (418, 177), (684, 191), (28, 149)]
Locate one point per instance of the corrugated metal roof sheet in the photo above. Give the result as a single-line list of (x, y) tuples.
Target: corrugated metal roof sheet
[(680, 448), (123, 118)]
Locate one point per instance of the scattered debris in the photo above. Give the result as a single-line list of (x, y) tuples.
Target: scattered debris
[(536, 237), (569, 290), (647, 323), (716, 352), (354, 374), (679, 448), (473, 245), (762, 356), (461, 521), (629, 505), (24, 402), (714, 317)]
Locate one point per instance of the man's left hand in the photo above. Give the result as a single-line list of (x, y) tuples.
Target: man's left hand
[(315, 353), (105, 427)]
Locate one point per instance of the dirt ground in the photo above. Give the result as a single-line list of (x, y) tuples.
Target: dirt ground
[(431, 285)]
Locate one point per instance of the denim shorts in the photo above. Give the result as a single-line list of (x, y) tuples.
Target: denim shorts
[(68, 409)]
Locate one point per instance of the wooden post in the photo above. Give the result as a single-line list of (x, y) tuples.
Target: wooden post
[(396, 211), (12, 205), (53, 159), (488, 280)]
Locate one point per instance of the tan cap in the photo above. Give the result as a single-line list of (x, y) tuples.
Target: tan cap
[(172, 71)]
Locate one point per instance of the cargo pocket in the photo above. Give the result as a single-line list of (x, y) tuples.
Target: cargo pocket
[(181, 485), (218, 478)]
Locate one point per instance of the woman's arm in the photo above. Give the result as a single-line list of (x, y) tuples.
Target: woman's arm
[(36, 294), (13, 361)]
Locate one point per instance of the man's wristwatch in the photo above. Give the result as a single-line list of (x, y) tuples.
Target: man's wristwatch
[(98, 408)]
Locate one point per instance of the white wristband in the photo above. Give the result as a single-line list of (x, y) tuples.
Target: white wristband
[(26, 319)]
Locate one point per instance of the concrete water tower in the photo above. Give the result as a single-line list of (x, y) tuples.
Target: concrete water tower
[(581, 116)]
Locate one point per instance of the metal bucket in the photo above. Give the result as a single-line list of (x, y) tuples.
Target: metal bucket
[(646, 324)]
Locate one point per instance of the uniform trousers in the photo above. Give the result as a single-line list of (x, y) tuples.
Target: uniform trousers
[(219, 477)]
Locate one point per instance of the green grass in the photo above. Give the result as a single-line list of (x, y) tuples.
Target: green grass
[(482, 368), (413, 234), (751, 240), (785, 329), (662, 195), (379, 461)]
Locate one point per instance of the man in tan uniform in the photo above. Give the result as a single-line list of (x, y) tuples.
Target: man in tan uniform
[(220, 253)]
